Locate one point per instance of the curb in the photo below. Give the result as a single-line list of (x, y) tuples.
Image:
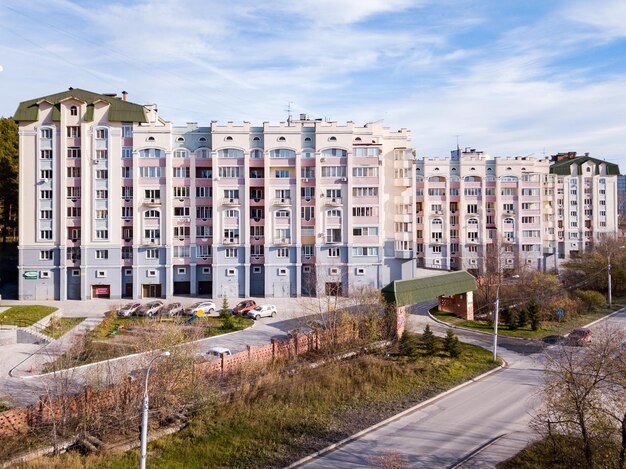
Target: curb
[(488, 334), (603, 318), (477, 451), (393, 418)]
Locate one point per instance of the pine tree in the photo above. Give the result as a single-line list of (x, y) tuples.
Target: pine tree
[(533, 315), (408, 344), (522, 318), (428, 338), (451, 344), (226, 315)]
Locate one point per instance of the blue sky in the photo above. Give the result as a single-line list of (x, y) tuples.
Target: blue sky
[(509, 77)]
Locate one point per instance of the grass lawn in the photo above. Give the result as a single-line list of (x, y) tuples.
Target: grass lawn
[(546, 329), (289, 417), (25, 315), (59, 326)]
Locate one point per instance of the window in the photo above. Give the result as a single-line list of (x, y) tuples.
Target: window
[(127, 254), (230, 153), (73, 131), (282, 153), (102, 174), (102, 214), (152, 253), (73, 192), (333, 171), (181, 192), (127, 131), (206, 270), (230, 253), (436, 249), (46, 255), (72, 152), (257, 250), (73, 111), (181, 270), (204, 192), (127, 233), (152, 214), (150, 172), (74, 234), (204, 212), (282, 253), (282, 213), (472, 191), (75, 273), (45, 234), (507, 207), (46, 134), (229, 172), (281, 173), (127, 152), (282, 271), (127, 192), (307, 192), (472, 208), (73, 212), (45, 214), (101, 273), (256, 154), (364, 251), (333, 252), (365, 211), (181, 172), (181, 154), (231, 272), (101, 155), (181, 211), (47, 173), (366, 151), (101, 134), (45, 194), (127, 172), (308, 250), (307, 213), (151, 153), (365, 231), (102, 234), (365, 191), (102, 254), (151, 273), (182, 252)]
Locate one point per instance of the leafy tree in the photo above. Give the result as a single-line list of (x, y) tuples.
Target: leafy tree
[(428, 338), (8, 175), (533, 315), (408, 344), (592, 300), (522, 317), (451, 344)]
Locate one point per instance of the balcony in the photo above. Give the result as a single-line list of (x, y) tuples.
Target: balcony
[(333, 201), (151, 241), (230, 202), (282, 202), (228, 241), (282, 241), (152, 202), (404, 254)]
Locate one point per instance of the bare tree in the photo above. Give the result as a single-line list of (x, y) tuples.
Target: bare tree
[(584, 397)]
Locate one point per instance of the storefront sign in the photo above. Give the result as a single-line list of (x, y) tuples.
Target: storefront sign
[(31, 274)]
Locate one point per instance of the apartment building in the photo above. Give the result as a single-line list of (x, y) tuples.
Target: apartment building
[(473, 210), (116, 202)]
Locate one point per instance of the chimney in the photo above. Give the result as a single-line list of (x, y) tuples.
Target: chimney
[(124, 94)]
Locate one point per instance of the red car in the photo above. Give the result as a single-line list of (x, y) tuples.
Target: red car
[(579, 337), (244, 307)]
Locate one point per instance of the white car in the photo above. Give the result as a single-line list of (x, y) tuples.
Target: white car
[(262, 311), (206, 308), (218, 351), (128, 310)]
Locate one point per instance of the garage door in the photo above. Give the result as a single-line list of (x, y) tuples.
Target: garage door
[(205, 288), (182, 288)]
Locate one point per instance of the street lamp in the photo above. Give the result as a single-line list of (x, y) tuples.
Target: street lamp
[(144, 414), (608, 270), (496, 317)]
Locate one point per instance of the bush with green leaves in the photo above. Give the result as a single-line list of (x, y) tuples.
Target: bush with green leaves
[(451, 344), (592, 300), (428, 339)]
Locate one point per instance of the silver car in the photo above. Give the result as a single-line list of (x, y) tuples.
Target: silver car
[(128, 310), (171, 310), (150, 309), (262, 311), (205, 308)]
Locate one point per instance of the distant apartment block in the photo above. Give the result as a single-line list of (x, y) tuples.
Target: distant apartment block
[(116, 202)]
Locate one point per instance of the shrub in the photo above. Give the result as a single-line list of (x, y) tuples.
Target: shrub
[(428, 338), (522, 317), (508, 318), (591, 300), (451, 344), (408, 344)]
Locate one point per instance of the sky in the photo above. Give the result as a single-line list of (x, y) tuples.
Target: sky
[(506, 77)]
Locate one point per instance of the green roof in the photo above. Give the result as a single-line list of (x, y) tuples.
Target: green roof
[(562, 168), (408, 292), (119, 110)]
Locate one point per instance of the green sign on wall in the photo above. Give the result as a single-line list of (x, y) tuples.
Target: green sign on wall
[(31, 274)]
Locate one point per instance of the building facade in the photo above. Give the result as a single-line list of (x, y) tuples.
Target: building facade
[(116, 202)]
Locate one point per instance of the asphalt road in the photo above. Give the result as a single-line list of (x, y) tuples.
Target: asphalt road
[(447, 431)]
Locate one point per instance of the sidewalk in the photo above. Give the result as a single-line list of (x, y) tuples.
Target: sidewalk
[(499, 450)]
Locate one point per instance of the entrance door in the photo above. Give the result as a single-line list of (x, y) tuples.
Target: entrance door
[(101, 291), (205, 288), (128, 290), (281, 290), (151, 291), (333, 288), (42, 292)]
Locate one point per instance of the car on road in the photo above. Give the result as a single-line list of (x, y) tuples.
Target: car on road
[(171, 310), (206, 308), (150, 309), (129, 309), (579, 337), (262, 311), (244, 306), (218, 351)]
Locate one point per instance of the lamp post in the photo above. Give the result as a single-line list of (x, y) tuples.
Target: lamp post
[(608, 270), (144, 413), (496, 317)]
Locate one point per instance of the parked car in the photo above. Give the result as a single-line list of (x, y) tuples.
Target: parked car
[(244, 306), (262, 311), (207, 308), (300, 331), (128, 310), (150, 309), (171, 310), (579, 337), (218, 351)]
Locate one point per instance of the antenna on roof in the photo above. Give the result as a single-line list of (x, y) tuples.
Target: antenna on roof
[(457, 143), (288, 111)]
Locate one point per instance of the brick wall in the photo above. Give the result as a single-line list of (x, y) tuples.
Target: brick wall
[(461, 305), (20, 420)]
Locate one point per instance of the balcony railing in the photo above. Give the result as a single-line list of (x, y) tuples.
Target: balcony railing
[(231, 240), (282, 202), (282, 241), (151, 241), (333, 201), (404, 254), (152, 202), (230, 202)]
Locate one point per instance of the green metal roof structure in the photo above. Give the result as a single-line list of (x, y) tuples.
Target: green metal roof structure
[(562, 168), (119, 110), (408, 292)]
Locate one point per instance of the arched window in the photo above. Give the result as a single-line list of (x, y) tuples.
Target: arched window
[(151, 153), (150, 139), (282, 153), (509, 221), (202, 139), (73, 111), (281, 139), (358, 139), (437, 221), (335, 152), (256, 139), (436, 179), (180, 139), (152, 214), (229, 139), (283, 213), (230, 153), (307, 139), (333, 212), (472, 221), (256, 154), (332, 139), (471, 179)]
